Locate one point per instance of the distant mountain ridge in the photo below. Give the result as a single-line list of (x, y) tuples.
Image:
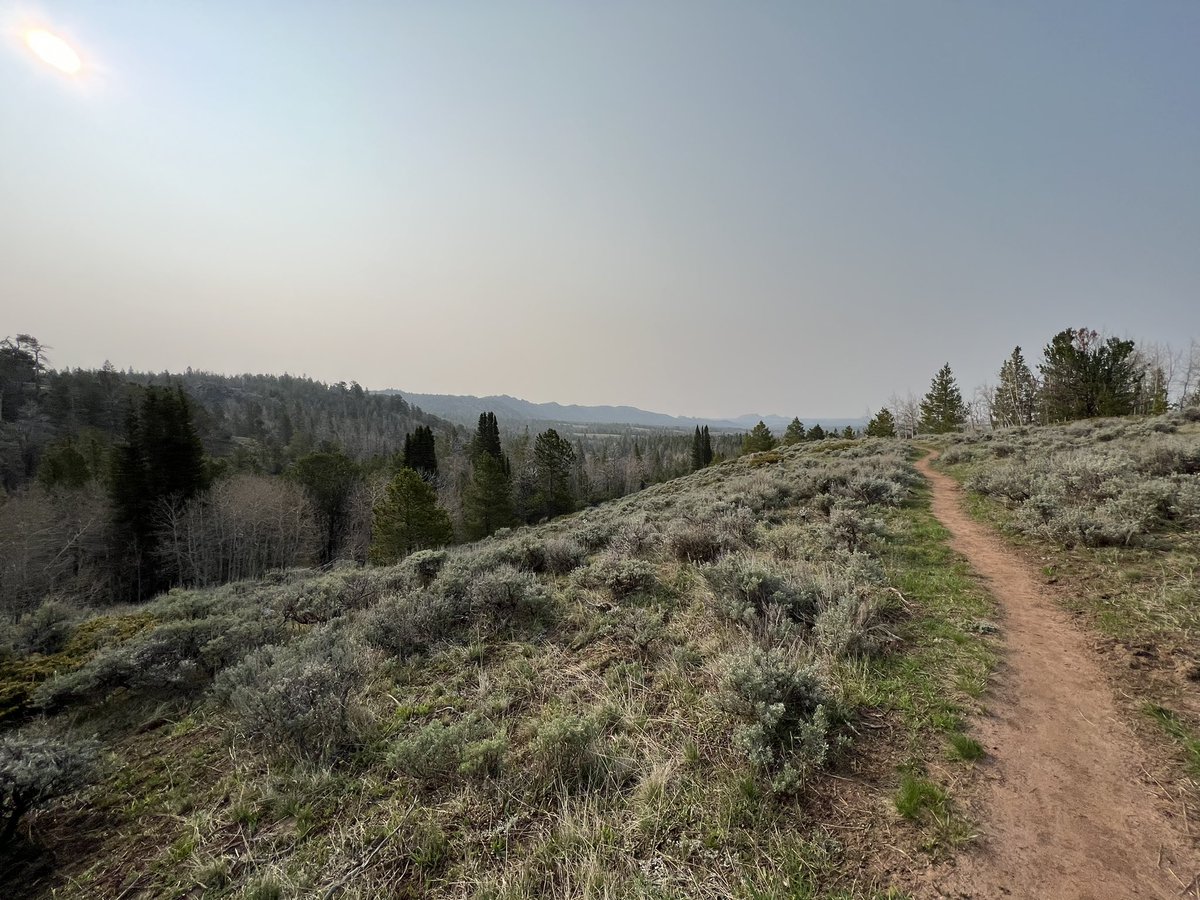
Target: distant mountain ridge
[(465, 410)]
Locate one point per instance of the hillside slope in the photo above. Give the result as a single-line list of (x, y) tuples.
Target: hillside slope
[(713, 688)]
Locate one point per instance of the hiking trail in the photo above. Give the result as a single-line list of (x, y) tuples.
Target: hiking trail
[(1063, 808)]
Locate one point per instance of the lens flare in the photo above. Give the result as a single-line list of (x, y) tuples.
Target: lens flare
[(53, 50)]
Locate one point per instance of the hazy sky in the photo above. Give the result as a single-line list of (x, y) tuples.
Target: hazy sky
[(698, 208)]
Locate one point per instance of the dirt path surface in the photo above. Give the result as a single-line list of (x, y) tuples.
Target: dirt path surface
[(1063, 811)]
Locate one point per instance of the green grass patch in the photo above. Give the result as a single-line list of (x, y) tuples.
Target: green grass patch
[(1174, 725), (917, 795), (966, 748)]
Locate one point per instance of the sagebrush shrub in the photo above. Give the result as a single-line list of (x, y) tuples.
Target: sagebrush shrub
[(438, 752), (406, 624), (424, 565), (506, 593), (35, 771), (175, 657), (45, 629), (745, 587), (697, 542), (782, 702), (845, 627), (574, 753), (621, 576), (300, 699)]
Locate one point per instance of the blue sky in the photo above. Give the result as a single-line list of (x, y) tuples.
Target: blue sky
[(702, 208)]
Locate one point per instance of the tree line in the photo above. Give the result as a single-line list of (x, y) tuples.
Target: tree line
[(116, 485), (1082, 374)]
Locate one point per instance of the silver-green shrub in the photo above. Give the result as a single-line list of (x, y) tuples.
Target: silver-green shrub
[(35, 771)]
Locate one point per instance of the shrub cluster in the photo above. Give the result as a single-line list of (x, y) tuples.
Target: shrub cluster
[(782, 702), (35, 771), (300, 698)]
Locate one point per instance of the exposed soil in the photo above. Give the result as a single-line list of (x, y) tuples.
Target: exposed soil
[(1064, 810)]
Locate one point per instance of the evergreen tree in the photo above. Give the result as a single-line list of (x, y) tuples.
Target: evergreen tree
[(882, 425), (942, 409), (160, 462), (794, 433), (1015, 401), (849, 433), (407, 519), (420, 452), (554, 459), (759, 438), (329, 477), (487, 437), (1084, 376), (488, 501), (63, 465), (697, 450), (816, 433), (706, 448)]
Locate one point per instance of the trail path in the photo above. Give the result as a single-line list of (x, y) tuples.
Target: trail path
[(1064, 814)]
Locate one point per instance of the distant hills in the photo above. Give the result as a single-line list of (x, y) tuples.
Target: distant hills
[(465, 410)]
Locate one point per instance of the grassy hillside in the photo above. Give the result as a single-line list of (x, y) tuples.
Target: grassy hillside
[(1110, 509), (747, 682)]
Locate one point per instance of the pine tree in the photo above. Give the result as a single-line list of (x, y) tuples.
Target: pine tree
[(420, 452), (706, 447), (759, 438), (1015, 400), (160, 462), (816, 433), (554, 459), (488, 500), (942, 409), (883, 425), (487, 437), (697, 450), (1084, 377), (794, 433), (407, 519), (329, 477), (849, 433)]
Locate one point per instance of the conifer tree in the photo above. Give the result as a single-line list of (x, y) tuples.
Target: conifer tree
[(697, 450), (882, 425), (794, 433), (942, 409), (554, 459), (816, 433), (161, 461), (1015, 400), (408, 518), (487, 437), (706, 448), (759, 438), (329, 477), (488, 500), (420, 452), (1084, 376), (849, 433)]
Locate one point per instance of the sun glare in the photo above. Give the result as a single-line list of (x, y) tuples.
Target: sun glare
[(53, 50)]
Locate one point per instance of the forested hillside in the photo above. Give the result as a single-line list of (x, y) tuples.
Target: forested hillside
[(120, 484)]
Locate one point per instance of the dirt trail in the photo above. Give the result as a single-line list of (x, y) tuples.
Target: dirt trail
[(1064, 814)]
